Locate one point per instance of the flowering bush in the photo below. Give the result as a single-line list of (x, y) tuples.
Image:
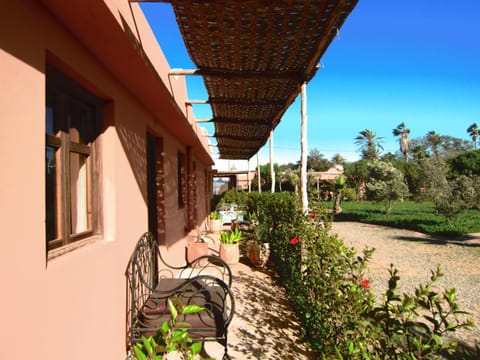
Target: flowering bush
[(327, 286), (294, 241)]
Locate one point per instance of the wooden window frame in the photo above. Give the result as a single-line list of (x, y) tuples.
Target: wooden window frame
[(62, 95)]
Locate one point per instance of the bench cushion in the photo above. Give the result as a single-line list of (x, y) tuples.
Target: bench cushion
[(207, 323)]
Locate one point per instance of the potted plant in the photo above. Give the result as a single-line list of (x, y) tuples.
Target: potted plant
[(229, 249), (215, 222), (196, 248), (253, 217), (258, 252)]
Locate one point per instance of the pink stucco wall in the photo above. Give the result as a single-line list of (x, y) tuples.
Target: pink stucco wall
[(73, 306)]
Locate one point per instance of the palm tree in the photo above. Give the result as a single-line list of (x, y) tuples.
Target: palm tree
[(369, 144), (433, 140), (338, 159), (402, 131), (474, 132), (419, 152)]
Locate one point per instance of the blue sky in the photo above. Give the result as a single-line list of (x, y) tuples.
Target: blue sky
[(412, 61)]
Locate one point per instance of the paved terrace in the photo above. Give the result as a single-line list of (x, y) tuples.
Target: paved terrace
[(264, 326)]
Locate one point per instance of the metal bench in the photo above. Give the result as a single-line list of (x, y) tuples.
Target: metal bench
[(206, 282)]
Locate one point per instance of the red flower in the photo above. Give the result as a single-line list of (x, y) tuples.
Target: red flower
[(294, 241), (364, 282)]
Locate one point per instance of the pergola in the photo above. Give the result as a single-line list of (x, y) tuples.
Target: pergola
[(254, 56)]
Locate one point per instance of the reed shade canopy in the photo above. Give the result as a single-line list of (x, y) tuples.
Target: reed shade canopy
[(254, 56)]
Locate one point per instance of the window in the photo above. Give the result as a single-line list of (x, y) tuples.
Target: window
[(72, 125)]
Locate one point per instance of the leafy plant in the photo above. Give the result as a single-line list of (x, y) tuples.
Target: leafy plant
[(412, 326), (326, 283), (215, 215), (252, 216), (172, 336), (230, 237)]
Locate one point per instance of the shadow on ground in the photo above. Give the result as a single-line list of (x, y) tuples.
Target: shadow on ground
[(465, 240), (264, 326)]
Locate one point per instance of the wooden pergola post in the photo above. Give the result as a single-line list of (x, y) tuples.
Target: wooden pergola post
[(272, 171), (248, 177), (258, 175), (304, 155)]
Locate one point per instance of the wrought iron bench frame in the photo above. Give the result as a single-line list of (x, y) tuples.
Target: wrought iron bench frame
[(206, 281)]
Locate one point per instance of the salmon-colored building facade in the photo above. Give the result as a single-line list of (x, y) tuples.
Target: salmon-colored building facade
[(98, 145)]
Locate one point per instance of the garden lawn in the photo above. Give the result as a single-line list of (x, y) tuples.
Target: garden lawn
[(418, 216)]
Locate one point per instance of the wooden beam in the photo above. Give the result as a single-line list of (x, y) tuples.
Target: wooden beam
[(182, 72), (236, 148), (196, 101), (236, 101), (241, 74), (252, 122), (236, 137)]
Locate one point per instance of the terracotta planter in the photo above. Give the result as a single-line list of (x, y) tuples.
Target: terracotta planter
[(230, 253), (195, 250), (258, 253), (216, 225)]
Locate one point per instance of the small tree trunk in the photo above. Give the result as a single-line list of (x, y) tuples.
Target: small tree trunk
[(337, 209)]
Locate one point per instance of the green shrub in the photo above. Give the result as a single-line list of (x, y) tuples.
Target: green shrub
[(231, 197), (326, 285), (416, 216), (350, 194)]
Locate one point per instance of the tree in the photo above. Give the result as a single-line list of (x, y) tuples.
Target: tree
[(442, 146), (265, 178), (316, 161), (410, 171), (338, 159), (453, 197), (369, 144), (467, 163), (433, 177), (386, 184), (289, 180), (402, 131), (452, 146), (433, 140), (339, 188), (419, 152), (357, 174), (474, 132), (389, 157)]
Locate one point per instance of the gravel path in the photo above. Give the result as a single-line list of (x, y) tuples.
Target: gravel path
[(414, 255)]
